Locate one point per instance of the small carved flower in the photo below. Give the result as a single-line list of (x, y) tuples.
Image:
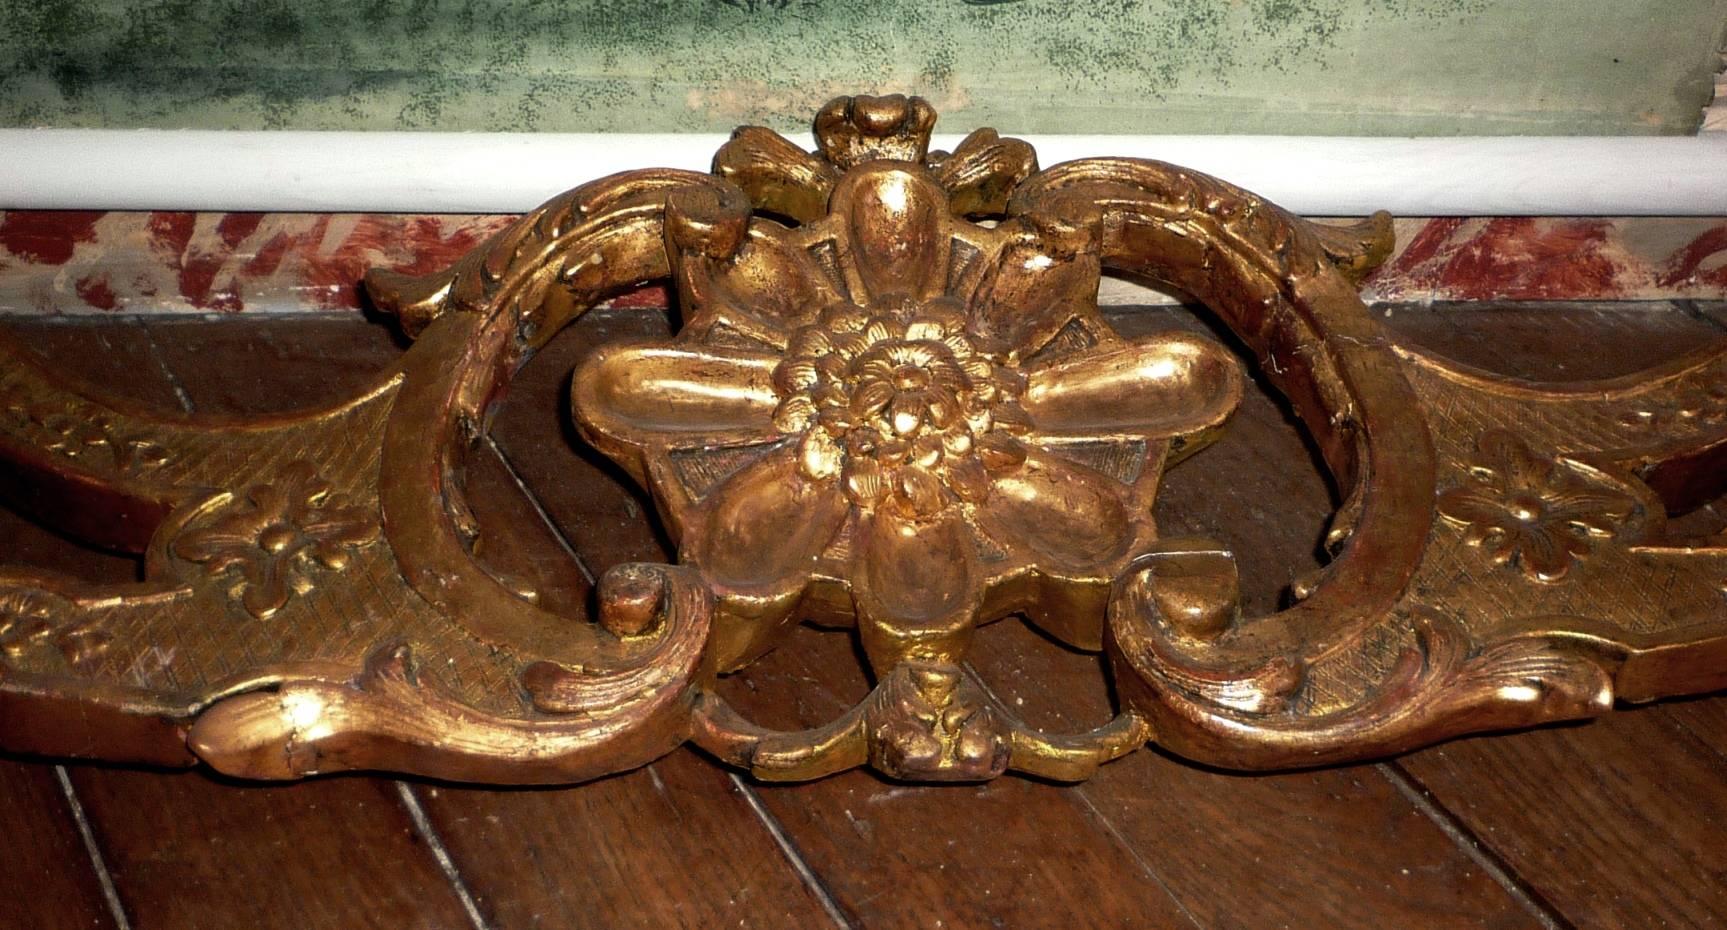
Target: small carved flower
[(1698, 405), (78, 434), (1535, 513), (275, 535), (930, 723), (31, 619), (905, 404)]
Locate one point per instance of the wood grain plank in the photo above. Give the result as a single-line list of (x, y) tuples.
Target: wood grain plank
[(670, 845), (186, 850), (1556, 341), (1715, 311), (675, 844), (47, 876), (271, 365), (47, 879), (1612, 824), (190, 853), (886, 853), (1617, 823), (1009, 853), (515, 543), (1210, 833), (597, 507), (101, 354)]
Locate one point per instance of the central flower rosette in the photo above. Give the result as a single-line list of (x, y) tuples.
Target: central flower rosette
[(888, 414), (903, 404)]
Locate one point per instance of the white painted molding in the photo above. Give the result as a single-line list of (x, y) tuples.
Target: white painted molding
[(104, 169)]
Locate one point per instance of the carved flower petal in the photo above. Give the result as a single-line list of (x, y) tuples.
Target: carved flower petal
[(796, 374), (1601, 512), (906, 412), (852, 130), (968, 479), (983, 171), (896, 222), (864, 480), (881, 330), (819, 456), (872, 396), (999, 452), (916, 588), (1467, 505), (943, 407), (938, 321), (778, 176), (1511, 463), (810, 342), (1168, 385), (1070, 518), (920, 490), (1028, 295), (217, 545), (628, 399), (1546, 552), (794, 414), (875, 366), (759, 534), (844, 317), (926, 450), (765, 292), (266, 588)]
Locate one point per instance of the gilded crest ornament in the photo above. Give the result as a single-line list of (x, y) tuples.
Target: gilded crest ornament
[(891, 407)]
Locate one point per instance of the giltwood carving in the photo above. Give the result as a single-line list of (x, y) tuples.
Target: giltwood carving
[(892, 406)]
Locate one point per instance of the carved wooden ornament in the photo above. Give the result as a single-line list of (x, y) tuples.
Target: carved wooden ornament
[(892, 406)]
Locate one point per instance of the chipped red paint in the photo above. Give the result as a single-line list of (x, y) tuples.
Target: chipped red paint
[(171, 231), (275, 250), (1554, 258), (65, 262), (46, 237), (1702, 262), (1519, 258), (233, 228), (1426, 243), (648, 295), (96, 292), (412, 245)]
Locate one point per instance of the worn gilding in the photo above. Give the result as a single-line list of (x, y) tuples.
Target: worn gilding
[(891, 409)]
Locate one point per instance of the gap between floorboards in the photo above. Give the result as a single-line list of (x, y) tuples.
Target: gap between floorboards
[(1472, 846)]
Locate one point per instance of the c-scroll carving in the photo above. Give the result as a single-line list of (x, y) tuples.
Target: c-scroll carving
[(892, 406)]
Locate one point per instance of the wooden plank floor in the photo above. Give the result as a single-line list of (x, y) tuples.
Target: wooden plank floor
[(1618, 823)]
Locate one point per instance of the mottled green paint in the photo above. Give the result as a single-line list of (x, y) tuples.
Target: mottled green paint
[(1280, 66)]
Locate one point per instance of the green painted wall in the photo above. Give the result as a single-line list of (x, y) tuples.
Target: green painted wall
[(1284, 66)]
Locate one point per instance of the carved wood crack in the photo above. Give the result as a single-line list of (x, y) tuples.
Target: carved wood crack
[(892, 407)]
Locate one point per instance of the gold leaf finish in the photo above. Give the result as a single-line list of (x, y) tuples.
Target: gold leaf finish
[(891, 408), (906, 423), (275, 537), (1535, 514)]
